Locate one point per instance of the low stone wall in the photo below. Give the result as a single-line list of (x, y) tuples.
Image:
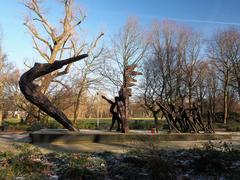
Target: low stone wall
[(67, 137), (1, 118)]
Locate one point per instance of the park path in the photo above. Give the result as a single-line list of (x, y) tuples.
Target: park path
[(8, 139)]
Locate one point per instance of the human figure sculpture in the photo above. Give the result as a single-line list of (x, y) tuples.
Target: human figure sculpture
[(121, 109), (114, 110)]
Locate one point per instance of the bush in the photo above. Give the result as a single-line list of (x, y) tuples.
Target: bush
[(154, 159), (233, 126), (25, 164), (233, 116), (29, 163), (141, 124), (81, 166), (216, 160)]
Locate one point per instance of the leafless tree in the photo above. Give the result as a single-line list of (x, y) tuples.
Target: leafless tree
[(232, 52), (51, 42), (201, 85), (152, 87), (221, 52), (191, 65), (87, 75), (54, 42), (164, 50), (128, 48), (12, 96), (172, 69), (2, 64), (9, 92), (176, 48), (207, 88)]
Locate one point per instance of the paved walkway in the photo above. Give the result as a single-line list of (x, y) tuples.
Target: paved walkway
[(7, 139)]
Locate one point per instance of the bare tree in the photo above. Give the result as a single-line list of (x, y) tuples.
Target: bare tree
[(232, 52), (2, 64), (152, 87), (176, 48), (171, 73), (86, 76), (9, 75), (51, 42), (12, 96), (200, 88), (220, 51), (164, 49), (128, 50), (162, 70), (191, 63)]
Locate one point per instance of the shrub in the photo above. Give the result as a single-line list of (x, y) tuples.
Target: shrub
[(82, 166), (25, 164), (159, 165)]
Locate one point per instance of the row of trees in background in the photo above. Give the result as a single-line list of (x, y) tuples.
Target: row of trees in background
[(179, 67), (9, 75)]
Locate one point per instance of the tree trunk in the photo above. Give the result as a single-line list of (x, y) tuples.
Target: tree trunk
[(225, 98), (1, 117), (225, 106), (32, 92), (125, 119), (1, 102), (155, 119), (190, 97), (77, 105), (201, 100)]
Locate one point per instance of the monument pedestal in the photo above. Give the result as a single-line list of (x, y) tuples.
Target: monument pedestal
[(1, 118), (99, 136)]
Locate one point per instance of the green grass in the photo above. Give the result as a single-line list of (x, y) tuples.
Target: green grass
[(145, 161), (15, 124), (22, 164), (91, 123), (232, 126), (29, 163), (105, 123)]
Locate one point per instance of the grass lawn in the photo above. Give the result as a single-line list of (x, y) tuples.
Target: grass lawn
[(85, 123), (145, 161), (105, 123)]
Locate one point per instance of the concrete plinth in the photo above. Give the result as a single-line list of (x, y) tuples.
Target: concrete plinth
[(67, 137), (1, 117)]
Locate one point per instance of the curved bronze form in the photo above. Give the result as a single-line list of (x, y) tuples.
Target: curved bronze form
[(32, 92)]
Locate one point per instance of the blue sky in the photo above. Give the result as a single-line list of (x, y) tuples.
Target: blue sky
[(109, 15)]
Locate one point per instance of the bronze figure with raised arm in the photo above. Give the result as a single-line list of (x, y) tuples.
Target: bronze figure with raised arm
[(115, 115)]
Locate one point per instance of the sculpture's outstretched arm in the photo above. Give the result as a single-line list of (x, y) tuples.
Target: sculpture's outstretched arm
[(108, 100), (33, 93)]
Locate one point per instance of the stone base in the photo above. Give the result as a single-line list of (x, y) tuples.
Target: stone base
[(1, 117), (68, 137)]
